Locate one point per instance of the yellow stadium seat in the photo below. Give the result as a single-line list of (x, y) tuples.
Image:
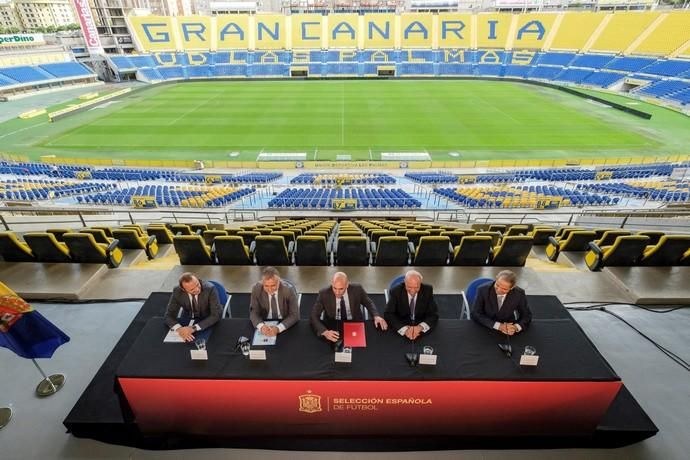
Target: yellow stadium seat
[(625, 251), (83, 248), (13, 250)]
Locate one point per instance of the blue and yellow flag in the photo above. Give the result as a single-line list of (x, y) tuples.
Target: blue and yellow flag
[(24, 330)]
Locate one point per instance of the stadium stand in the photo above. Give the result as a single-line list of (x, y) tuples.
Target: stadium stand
[(349, 179), (547, 47), (324, 198), (164, 195), (20, 79)]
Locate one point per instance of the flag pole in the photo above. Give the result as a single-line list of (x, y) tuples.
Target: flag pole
[(5, 416), (49, 385)]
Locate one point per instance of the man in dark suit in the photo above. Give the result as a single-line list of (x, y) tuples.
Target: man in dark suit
[(199, 302), (341, 302), (411, 309), (273, 300), (502, 305)]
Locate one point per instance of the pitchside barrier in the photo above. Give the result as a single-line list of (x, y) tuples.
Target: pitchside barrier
[(74, 109), (285, 165)]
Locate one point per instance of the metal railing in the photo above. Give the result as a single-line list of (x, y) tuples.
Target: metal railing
[(27, 218)]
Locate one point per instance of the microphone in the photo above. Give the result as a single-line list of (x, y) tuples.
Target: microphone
[(413, 357), (506, 347), (338, 344), (242, 345)]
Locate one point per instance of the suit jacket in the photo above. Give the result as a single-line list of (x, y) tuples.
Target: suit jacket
[(485, 308), (209, 305), (398, 312), (259, 305), (325, 302)]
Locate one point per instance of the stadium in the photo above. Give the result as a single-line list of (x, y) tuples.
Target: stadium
[(371, 140)]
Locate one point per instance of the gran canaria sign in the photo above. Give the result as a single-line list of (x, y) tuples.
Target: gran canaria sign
[(314, 31)]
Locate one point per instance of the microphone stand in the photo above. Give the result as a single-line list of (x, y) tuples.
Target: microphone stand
[(413, 357), (506, 347)]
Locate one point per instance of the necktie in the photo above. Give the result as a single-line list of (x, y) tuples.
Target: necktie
[(195, 306), (500, 299), (343, 307), (412, 305), (274, 307)]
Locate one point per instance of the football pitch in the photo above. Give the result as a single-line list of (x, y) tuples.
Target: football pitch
[(232, 120)]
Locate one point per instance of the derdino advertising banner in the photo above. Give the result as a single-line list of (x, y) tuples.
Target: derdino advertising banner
[(7, 40)]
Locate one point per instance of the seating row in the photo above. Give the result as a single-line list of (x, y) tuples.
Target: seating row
[(668, 191), (23, 189), (133, 174), (352, 250), (553, 174), (523, 196), (345, 179), (616, 247), (75, 247), (169, 196), (364, 198)]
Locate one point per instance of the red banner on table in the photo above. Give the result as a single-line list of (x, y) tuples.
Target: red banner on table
[(363, 408)]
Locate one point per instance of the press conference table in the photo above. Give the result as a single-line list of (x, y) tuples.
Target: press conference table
[(301, 391)]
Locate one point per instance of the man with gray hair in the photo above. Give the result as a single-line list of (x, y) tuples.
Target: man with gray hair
[(273, 300), (502, 305), (341, 301), (411, 309)]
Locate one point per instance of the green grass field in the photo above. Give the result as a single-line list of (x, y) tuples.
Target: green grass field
[(478, 119)]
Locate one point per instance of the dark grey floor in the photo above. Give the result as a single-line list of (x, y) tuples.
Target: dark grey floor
[(36, 431)]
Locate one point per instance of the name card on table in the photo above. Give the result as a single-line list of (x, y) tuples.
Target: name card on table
[(258, 355), (529, 360), (341, 357), (428, 360), (199, 355)]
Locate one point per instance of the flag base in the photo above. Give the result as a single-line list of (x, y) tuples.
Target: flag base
[(5, 416), (50, 385)]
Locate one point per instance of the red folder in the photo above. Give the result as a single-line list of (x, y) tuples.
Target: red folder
[(354, 335)]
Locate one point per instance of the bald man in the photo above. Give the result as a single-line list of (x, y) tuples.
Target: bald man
[(341, 301)]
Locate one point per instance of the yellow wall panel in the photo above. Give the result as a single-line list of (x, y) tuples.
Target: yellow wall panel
[(454, 30), (194, 32), (668, 36), (532, 30), (270, 32), (343, 30), (306, 31), (623, 29), (154, 33), (232, 31), (379, 30), (492, 29), (416, 30), (576, 29)]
